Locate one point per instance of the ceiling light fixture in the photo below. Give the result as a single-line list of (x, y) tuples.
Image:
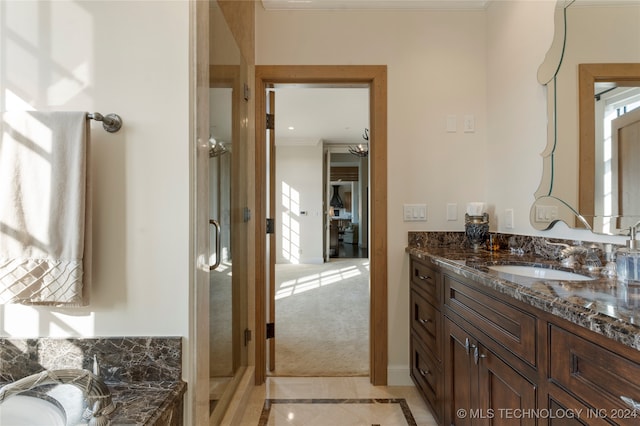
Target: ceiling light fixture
[(361, 150)]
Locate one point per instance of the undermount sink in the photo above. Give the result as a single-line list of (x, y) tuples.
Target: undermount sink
[(538, 272), (22, 410)]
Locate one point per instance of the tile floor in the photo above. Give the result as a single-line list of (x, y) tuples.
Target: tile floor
[(335, 401)]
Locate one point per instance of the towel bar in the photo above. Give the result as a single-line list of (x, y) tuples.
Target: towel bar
[(111, 122)]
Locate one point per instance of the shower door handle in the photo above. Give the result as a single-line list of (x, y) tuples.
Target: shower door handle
[(216, 224)]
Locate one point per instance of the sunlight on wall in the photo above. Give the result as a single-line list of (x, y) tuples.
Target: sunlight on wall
[(59, 69), (47, 49), (314, 281), (290, 224), (36, 322), (13, 101)]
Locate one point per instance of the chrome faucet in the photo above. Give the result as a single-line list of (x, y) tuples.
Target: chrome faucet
[(586, 257), (98, 396)]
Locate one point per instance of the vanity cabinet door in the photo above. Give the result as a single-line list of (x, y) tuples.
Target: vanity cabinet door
[(481, 388), (461, 378), (504, 395)]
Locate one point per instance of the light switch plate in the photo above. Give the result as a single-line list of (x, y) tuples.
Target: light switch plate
[(451, 123), (415, 212), (452, 211)]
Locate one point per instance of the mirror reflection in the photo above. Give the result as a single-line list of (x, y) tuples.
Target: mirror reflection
[(586, 172)]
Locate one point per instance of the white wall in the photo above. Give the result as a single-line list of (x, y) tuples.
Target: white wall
[(440, 63), (130, 58), (436, 67), (299, 188)]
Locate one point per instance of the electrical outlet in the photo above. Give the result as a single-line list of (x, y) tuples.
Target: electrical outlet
[(469, 123), (546, 214), (508, 219)]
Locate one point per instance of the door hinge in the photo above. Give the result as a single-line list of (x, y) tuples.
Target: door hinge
[(271, 330), (247, 336), (271, 226), (246, 91), (271, 122)]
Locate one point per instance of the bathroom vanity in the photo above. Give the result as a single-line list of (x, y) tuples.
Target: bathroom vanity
[(493, 347), (143, 374)]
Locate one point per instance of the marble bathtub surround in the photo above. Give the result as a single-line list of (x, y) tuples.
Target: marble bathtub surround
[(603, 305), (142, 373)]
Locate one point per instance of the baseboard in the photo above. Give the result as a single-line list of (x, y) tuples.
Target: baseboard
[(398, 375)]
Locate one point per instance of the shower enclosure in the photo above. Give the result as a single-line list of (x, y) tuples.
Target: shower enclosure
[(228, 299)]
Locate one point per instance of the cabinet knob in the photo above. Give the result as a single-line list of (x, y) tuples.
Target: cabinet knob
[(424, 278), (424, 373), (631, 403), (423, 321)]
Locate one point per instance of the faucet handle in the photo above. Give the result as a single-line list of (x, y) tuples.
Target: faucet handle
[(96, 365)]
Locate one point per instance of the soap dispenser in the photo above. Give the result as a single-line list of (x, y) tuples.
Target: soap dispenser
[(628, 258)]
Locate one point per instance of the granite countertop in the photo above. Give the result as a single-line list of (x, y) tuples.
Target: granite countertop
[(142, 373), (603, 305), (141, 403), (144, 403)]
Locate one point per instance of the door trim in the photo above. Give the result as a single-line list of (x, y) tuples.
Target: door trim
[(376, 77)]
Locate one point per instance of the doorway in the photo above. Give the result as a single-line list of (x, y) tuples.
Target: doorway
[(321, 208), (375, 78)]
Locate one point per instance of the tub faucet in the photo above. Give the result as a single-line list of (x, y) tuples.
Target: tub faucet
[(98, 396)]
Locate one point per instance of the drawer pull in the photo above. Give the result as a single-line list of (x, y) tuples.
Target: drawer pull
[(477, 356), (423, 321), (631, 403), (424, 373), (424, 278)]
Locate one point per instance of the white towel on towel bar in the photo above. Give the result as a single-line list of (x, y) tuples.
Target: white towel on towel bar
[(44, 208)]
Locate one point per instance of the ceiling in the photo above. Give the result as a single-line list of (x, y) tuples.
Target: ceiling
[(309, 115), (373, 4)]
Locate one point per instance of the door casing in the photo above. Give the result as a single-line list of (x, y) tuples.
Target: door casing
[(376, 77)]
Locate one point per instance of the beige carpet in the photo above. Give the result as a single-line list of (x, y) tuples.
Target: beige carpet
[(322, 319)]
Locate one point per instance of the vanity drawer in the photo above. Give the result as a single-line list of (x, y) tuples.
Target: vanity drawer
[(427, 376), (594, 374), (426, 322), (426, 280), (509, 326)]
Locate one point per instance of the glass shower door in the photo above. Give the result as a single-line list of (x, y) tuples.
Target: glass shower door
[(223, 338)]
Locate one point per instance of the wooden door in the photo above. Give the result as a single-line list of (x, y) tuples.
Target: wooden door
[(271, 209)]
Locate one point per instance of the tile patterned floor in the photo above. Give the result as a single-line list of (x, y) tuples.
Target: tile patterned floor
[(336, 401)]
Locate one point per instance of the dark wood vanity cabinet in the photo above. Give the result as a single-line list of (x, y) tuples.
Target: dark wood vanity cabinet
[(490, 358), (480, 387), (479, 357), (426, 334)]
